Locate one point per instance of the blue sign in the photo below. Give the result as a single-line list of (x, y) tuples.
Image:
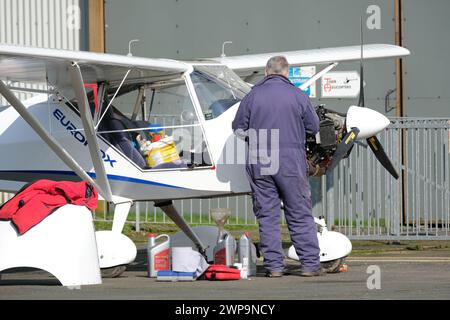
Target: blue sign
[(299, 75)]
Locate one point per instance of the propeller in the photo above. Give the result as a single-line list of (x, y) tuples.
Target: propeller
[(378, 150), (345, 146)]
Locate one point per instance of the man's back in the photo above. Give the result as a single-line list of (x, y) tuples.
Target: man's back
[(274, 103)]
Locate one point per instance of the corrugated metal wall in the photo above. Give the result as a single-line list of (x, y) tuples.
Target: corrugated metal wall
[(197, 29), (41, 23), (59, 24), (426, 71)]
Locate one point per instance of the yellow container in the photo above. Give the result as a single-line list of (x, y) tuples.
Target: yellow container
[(160, 152)]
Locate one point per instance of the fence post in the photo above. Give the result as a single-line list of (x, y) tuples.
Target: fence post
[(138, 217)]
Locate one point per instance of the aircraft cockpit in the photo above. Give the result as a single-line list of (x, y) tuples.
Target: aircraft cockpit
[(157, 123)]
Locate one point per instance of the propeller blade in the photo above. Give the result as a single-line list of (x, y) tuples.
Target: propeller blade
[(381, 155), (373, 142), (349, 151), (344, 147)]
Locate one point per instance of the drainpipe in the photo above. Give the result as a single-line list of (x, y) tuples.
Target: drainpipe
[(399, 103)]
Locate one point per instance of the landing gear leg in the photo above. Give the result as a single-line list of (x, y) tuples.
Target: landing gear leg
[(173, 214), (121, 211)]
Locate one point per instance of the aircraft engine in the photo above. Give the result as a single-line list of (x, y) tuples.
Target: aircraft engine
[(337, 135)]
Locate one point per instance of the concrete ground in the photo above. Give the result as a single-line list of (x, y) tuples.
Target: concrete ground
[(403, 275)]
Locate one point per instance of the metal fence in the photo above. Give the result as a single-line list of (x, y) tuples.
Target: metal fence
[(363, 201), (359, 198)]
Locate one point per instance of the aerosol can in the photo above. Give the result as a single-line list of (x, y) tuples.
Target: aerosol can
[(158, 254), (224, 251), (247, 255)]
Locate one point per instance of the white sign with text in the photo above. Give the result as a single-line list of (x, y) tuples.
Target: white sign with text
[(340, 84)]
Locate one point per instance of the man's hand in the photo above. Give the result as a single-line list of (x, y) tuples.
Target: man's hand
[(242, 134)]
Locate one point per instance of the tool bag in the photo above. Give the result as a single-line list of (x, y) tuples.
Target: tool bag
[(222, 272)]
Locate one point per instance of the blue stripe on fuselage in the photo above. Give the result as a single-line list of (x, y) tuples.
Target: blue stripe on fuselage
[(92, 175)]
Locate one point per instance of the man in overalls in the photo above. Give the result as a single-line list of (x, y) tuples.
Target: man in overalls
[(278, 108)]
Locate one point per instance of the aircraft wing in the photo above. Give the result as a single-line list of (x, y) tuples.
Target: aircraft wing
[(28, 64), (247, 65)]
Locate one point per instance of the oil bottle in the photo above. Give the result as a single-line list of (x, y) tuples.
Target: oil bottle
[(247, 254), (158, 254), (224, 251)]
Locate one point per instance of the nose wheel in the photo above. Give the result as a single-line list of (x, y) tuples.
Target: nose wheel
[(332, 266)]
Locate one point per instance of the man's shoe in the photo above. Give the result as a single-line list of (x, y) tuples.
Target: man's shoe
[(274, 274), (319, 272)]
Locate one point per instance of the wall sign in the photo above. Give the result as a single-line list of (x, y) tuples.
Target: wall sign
[(299, 75), (340, 84)]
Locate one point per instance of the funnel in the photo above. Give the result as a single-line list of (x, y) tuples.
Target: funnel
[(220, 217)]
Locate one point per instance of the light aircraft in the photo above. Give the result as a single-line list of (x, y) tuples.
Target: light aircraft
[(99, 111)]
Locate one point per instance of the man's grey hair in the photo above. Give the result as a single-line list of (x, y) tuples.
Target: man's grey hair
[(277, 65)]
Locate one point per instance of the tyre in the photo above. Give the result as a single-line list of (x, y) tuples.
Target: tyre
[(332, 266), (113, 272)]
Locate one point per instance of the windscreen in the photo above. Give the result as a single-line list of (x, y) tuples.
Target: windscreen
[(218, 88)]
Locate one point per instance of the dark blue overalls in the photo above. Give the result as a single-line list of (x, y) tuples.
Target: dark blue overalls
[(275, 103)]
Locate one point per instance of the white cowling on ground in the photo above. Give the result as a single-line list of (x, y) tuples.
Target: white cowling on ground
[(62, 244)]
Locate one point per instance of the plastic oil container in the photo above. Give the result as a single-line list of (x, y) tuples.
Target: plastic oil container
[(247, 254), (224, 251), (158, 254), (162, 151)]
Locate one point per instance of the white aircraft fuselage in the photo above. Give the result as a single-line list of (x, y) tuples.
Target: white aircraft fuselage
[(28, 158)]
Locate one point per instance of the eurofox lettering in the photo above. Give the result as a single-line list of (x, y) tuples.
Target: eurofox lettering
[(78, 135)]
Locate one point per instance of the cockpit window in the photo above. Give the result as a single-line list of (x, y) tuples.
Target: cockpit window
[(218, 88), (155, 126)]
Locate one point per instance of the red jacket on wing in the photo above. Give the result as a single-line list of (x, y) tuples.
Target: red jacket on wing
[(37, 200)]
